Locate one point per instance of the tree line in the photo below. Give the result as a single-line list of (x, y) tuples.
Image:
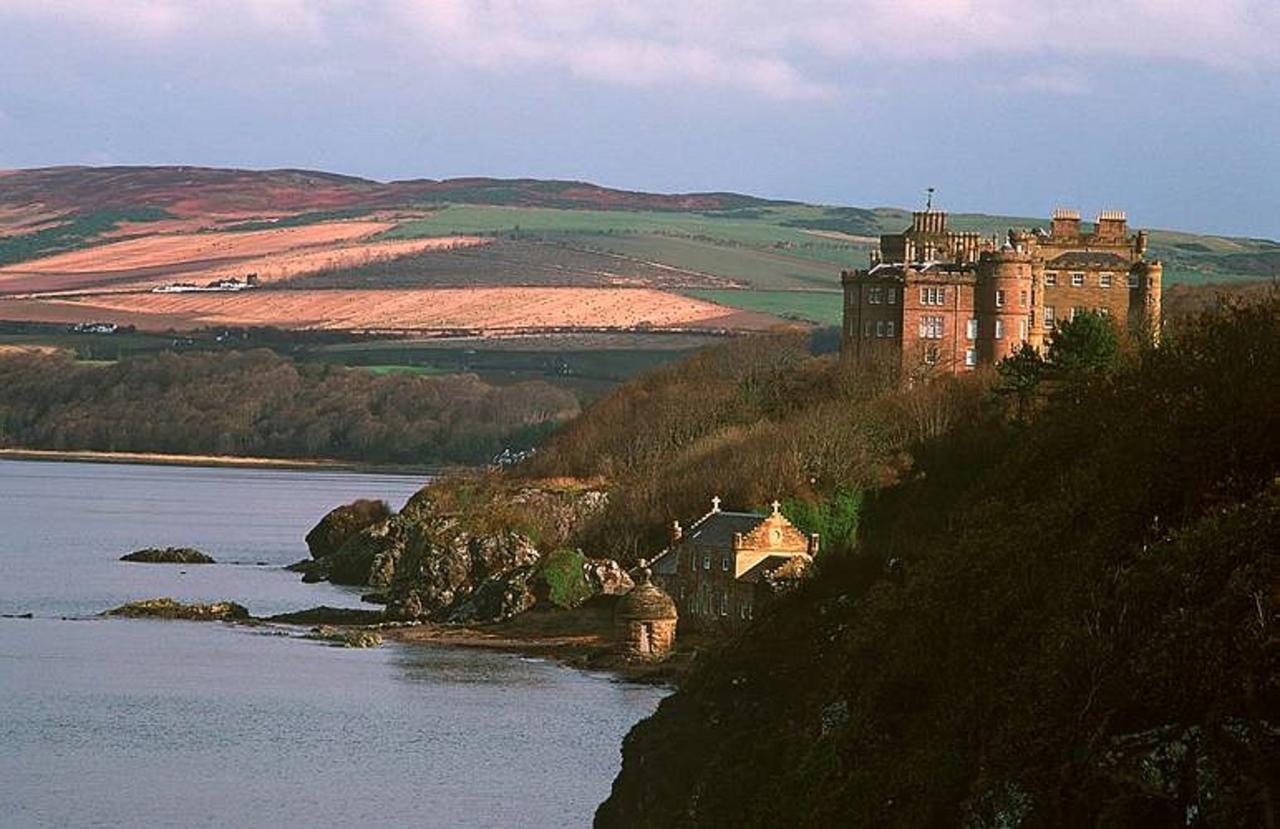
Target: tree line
[(258, 403)]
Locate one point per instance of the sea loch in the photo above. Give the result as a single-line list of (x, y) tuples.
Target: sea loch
[(124, 722)]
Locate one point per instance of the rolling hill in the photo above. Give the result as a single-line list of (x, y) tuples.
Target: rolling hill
[(70, 236)]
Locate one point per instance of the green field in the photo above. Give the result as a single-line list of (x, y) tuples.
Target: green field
[(823, 308), (785, 256)]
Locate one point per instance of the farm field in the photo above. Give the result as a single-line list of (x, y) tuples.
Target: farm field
[(820, 307), (317, 241), (274, 255), (490, 310)]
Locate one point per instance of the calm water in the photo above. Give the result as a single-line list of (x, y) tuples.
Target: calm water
[(126, 722)]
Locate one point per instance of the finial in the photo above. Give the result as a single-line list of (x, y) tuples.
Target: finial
[(929, 203), (715, 503), (645, 572), (777, 506)]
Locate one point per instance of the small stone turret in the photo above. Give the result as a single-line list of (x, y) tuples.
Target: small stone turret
[(646, 620)]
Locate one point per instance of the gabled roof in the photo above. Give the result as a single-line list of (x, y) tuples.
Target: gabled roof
[(716, 529), (1087, 259)]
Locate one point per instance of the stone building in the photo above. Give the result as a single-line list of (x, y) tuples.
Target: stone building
[(646, 620), (935, 299), (726, 564)]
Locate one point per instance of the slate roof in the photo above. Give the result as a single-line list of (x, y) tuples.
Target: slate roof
[(716, 529), (1088, 259)]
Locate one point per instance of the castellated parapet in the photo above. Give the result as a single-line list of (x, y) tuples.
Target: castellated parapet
[(941, 300)]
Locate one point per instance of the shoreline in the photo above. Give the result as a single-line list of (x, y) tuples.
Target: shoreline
[(214, 461), (565, 640)]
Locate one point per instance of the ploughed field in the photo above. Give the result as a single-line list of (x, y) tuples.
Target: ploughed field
[(338, 253), (444, 310)]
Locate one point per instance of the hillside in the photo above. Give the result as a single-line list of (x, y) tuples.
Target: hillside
[(1066, 617), (78, 232)]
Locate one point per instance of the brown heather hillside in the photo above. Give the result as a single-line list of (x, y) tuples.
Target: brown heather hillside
[(202, 191)]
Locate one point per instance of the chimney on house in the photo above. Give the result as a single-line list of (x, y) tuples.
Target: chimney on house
[(1112, 225), (1066, 224)]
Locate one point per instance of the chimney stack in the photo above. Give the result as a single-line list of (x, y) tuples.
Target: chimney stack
[(1066, 224)]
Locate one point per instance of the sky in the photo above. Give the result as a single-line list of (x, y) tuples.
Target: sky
[(1169, 109)]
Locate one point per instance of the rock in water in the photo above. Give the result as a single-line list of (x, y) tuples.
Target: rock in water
[(347, 637), (168, 555), (328, 536), (325, 615), (170, 609)]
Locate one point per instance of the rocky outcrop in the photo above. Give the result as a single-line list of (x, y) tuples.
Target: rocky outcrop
[(455, 554), (347, 637), (442, 564), (607, 577), (325, 615), (170, 609), (328, 536), (168, 555)]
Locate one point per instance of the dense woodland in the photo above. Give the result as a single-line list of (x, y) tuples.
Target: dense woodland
[(1060, 607), (261, 404)]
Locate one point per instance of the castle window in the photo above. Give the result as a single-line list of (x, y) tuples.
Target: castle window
[(1104, 280), (999, 299), (875, 295), (706, 561), (724, 603), (931, 355), (879, 328), (933, 295), (1048, 318), (888, 328), (970, 357), (724, 563), (866, 329), (1077, 280), (931, 327), (892, 296), (1104, 312), (1050, 278), (1133, 280), (999, 329), (1022, 299), (1022, 329), (971, 330)]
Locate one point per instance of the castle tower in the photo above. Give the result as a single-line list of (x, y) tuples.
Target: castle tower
[(1145, 298), (1003, 303)]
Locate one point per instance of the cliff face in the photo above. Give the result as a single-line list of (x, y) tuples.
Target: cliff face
[(1070, 622), (460, 551)]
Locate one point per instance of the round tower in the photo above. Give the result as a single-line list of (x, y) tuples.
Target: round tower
[(646, 620), (1003, 303), (1145, 298)]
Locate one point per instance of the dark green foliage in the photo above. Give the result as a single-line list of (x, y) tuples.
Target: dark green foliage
[(259, 403), (71, 233), (852, 220), (834, 519), (1020, 377), (1089, 342), (1071, 624), (566, 582)]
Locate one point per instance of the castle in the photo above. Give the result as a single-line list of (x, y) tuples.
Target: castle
[(937, 299)]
